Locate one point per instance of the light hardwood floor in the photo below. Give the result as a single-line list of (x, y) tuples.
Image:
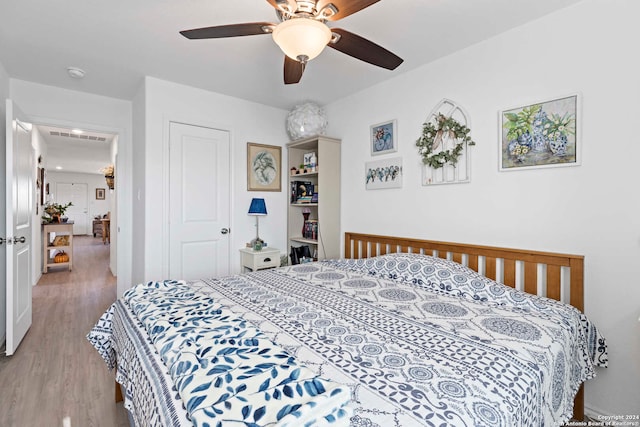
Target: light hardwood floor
[(56, 378)]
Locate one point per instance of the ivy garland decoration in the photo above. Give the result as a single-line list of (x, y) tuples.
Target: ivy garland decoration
[(433, 136)]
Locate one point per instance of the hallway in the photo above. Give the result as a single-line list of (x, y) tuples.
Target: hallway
[(56, 378)]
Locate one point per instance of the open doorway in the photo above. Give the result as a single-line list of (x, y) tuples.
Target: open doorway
[(72, 164)]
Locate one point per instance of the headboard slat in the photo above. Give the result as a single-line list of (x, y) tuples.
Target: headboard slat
[(554, 281), (472, 262), (509, 272), (531, 278), (490, 268), (457, 257)]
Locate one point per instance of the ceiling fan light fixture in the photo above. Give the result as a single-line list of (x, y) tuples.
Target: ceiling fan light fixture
[(301, 38)]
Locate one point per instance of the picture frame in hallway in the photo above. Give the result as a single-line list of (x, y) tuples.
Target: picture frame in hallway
[(100, 193)]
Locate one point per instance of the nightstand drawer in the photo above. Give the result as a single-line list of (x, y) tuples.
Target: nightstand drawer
[(267, 261), (258, 260)]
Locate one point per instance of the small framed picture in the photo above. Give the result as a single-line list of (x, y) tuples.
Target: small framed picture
[(263, 167), (309, 159), (100, 193), (384, 138), (382, 174)]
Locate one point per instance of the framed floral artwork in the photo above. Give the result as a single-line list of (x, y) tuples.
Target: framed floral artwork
[(264, 166), (541, 134), (383, 138)]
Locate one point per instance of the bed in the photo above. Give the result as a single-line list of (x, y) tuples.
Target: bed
[(401, 332)]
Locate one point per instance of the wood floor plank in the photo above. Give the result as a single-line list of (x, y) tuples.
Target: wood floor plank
[(56, 378)]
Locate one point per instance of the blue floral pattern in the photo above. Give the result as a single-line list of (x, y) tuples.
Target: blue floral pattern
[(225, 370), (417, 341)]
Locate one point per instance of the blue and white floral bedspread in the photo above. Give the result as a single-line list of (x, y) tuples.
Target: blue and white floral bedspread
[(416, 340), (226, 371)]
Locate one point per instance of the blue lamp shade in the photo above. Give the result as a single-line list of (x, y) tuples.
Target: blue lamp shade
[(258, 207)]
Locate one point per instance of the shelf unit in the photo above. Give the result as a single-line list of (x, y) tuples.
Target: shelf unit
[(49, 250), (326, 179)]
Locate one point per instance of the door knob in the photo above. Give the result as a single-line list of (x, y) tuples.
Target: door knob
[(17, 240), (225, 230)]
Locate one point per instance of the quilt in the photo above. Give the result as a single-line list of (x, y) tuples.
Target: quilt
[(411, 340)]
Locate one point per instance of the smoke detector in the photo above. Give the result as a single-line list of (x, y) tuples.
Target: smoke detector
[(75, 72)]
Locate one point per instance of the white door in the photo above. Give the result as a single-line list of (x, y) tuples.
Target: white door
[(76, 193), (199, 201), (19, 194)]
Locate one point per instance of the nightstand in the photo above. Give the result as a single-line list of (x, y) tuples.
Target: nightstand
[(258, 260)]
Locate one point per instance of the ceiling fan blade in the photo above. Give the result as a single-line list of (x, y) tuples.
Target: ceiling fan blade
[(234, 30), (364, 50), (345, 7), (292, 70)]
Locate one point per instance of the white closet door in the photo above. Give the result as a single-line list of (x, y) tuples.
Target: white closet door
[(199, 201)]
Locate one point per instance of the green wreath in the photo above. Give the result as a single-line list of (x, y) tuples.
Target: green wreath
[(432, 136)]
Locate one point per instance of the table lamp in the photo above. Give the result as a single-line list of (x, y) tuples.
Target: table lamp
[(258, 208)]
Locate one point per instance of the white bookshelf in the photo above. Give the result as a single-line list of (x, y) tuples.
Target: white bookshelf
[(326, 179)]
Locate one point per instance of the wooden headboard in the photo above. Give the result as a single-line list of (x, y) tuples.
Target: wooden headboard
[(554, 275)]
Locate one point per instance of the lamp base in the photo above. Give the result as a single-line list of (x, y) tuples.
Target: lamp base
[(257, 244)]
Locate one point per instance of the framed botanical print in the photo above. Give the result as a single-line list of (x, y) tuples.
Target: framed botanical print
[(541, 134), (264, 167)]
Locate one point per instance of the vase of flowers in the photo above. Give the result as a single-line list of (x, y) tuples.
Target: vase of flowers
[(520, 131), (558, 128), (53, 212)]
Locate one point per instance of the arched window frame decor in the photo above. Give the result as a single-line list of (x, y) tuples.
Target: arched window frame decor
[(457, 170)]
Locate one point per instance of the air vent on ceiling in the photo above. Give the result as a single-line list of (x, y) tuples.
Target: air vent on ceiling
[(73, 135)]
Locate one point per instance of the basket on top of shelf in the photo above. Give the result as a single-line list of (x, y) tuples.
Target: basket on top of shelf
[(109, 176)]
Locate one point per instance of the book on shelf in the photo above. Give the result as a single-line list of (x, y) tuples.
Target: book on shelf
[(301, 191), (310, 229)]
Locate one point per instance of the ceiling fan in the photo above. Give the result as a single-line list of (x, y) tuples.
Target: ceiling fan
[(302, 34)]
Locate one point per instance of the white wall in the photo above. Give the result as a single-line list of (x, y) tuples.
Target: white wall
[(138, 186), (114, 213), (61, 107), (247, 122), (4, 94), (592, 209), (40, 149)]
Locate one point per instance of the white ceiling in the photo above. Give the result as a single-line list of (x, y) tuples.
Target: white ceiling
[(69, 151), (117, 42)]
